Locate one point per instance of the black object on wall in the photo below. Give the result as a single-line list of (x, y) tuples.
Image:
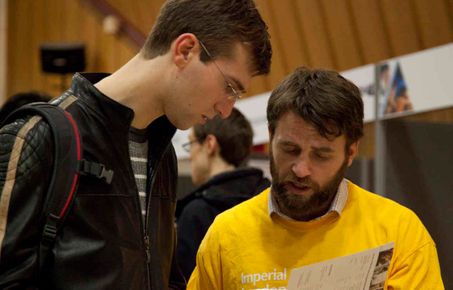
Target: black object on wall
[(62, 58), (419, 175)]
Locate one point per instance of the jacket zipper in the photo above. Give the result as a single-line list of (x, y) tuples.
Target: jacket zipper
[(144, 229), (147, 249), (147, 239), (146, 242)]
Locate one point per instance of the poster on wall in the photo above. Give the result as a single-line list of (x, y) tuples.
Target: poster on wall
[(393, 89), (409, 84), (419, 82)]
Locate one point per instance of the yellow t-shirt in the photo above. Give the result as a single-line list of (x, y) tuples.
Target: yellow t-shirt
[(246, 248)]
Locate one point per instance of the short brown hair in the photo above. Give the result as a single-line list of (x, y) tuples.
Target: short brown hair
[(218, 23), (234, 136), (323, 98)]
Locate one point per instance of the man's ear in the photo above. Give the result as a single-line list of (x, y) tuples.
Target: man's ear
[(353, 150), (184, 48), (212, 146)]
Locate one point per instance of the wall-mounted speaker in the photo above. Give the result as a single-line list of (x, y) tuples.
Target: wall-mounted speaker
[(62, 58)]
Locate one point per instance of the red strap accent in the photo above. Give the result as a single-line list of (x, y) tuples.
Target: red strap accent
[(76, 175)]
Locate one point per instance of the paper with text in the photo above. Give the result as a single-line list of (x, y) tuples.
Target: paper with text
[(363, 270)]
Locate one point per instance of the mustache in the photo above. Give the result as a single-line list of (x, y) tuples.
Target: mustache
[(298, 181)]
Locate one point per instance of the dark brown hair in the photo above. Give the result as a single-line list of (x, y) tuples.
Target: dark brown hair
[(234, 135), (324, 99), (218, 24)]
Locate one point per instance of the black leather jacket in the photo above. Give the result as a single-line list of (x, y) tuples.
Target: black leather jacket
[(103, 244)]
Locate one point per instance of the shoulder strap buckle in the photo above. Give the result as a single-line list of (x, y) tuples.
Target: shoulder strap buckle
[(96, 169), (50, 229)]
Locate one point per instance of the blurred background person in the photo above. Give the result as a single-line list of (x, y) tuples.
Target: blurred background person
[(20, 99), (219, 150)]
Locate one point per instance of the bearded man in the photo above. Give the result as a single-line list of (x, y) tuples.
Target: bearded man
[(311, 213)]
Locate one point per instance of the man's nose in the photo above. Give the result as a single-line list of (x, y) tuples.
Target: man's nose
[(224, 108), (301, 167)]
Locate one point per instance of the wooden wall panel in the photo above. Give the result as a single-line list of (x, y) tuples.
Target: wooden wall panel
[(432, 19), (341, 34), (18, 17), (33, 22), (314, 31), (400, 20), (3, 48), (258, 85), (286, 35), (263, 83), (449, 4), (371, 33), (444, 116), (141, 14), (277, 66)]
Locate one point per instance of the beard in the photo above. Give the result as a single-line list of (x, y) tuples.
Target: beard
[(300, 207)]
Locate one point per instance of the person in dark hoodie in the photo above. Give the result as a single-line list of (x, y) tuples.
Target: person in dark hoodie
[(218, 152)]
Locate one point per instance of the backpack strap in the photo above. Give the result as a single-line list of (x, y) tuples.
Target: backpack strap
[(68, 165), (65, 173), (67, 157)]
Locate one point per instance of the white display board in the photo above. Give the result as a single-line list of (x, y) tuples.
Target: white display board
[(428, 77), (363, 77), (414, 83)]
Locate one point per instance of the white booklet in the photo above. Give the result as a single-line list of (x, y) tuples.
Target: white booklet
[(363, 270)]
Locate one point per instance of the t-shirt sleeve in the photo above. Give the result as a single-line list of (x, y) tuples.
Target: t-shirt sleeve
[(420, 270), (417, 264)]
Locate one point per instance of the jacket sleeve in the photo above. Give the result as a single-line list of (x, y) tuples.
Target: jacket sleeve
[(208, 270), (25, 162), (177, 281), (192, 226)]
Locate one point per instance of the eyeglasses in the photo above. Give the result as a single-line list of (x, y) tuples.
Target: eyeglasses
[(188, 145), (234, 95)]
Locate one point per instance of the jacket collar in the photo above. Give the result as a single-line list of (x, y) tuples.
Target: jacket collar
[(115, 113)]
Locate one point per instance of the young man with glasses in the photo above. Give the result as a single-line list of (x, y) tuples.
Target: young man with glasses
[(198, 58), (219, 151)]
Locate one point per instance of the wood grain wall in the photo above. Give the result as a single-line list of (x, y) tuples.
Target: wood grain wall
[(337, 34), (33, 22)]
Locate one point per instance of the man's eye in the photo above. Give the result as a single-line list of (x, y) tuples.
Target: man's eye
[(291, 150), (321, 156)]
